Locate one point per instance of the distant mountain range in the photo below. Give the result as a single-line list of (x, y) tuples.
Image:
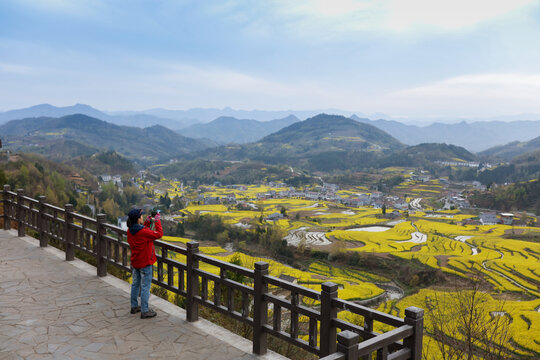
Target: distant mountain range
[(80, 135), (135, 119), (321, 143), (224, 126), (331, 142), (303, 140), (226, 130), (474, 136), (173, 119), (208, 114)]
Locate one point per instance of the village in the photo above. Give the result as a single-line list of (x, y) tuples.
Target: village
[(393, 205)]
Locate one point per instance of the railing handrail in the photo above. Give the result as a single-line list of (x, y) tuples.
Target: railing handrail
[(95, 237)]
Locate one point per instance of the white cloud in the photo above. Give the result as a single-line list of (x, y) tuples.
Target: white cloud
[(470, 95), (15, 69), (79, 8), (341, 16), (447, 15)]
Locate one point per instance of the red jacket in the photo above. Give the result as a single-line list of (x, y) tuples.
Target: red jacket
[(142, 244)]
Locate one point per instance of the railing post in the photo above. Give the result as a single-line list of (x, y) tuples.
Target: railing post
[(192, 307), (43, 238), (101, 246), (260, 308), (7, 207), (68, 220), (328, 313), (348, 344), (415, 317), (20, 213)]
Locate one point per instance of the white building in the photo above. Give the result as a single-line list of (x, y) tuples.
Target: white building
[(122, 222)]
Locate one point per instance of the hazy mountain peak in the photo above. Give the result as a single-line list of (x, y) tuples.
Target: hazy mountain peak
[(228, 129)]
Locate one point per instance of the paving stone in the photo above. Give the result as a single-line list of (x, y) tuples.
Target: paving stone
[(53, 309), (93, 347)]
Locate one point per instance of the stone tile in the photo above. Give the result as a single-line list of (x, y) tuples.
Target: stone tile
[(53, 309), (93, 347)]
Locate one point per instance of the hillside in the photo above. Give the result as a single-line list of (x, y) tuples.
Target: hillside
[(474, 136), (524, 167), (104, 162), (227, 130), (130, 119), (412, 156), (40, 176), (517, 196), (207, 172), (59, 149), (330, 142), (429, 152), (149, 144), (333, 132), (509, 151), (303, 140)]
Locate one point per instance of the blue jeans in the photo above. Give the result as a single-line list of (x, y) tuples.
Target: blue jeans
[(141, 279)]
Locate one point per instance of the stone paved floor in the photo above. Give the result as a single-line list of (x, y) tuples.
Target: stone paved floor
[(50, 308)]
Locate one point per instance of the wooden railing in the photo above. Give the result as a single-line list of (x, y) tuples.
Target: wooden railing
[(271, 306)]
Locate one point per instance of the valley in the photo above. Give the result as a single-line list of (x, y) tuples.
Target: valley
[(324, 199)]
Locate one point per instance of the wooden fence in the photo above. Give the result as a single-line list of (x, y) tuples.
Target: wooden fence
[(271, 306)]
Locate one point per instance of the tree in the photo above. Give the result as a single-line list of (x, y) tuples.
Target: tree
[(464, 326), (177, 204), (111, 209), (180, 231), (3, 177)]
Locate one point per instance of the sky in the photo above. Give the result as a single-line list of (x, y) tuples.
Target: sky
[(405, 58)]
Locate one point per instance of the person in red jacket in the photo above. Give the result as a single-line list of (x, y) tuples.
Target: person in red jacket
[(141, 241)]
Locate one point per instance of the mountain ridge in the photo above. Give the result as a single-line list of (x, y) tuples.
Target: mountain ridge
[(226, 129), (152, 143), (512, 150), (302, 140), (475, 136)]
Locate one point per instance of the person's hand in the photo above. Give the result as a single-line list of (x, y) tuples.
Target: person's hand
[(157, 217)]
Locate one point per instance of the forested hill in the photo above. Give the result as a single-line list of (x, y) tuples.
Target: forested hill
[(301, 141), (511, 150), (39, 176), (328, 132), (227, 130), (149, 144), (517, 196), (438, 152), (522, 168)]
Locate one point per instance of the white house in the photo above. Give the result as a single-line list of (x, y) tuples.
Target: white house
[(122, 222), (507, 218), (274, 216)]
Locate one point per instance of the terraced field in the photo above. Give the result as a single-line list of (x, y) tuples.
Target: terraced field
[(511, 266)]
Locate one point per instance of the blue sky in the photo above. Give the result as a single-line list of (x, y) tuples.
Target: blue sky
[(407, 58)]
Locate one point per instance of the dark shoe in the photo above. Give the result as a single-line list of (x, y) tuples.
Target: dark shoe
[(150, 313), (135, 310)]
